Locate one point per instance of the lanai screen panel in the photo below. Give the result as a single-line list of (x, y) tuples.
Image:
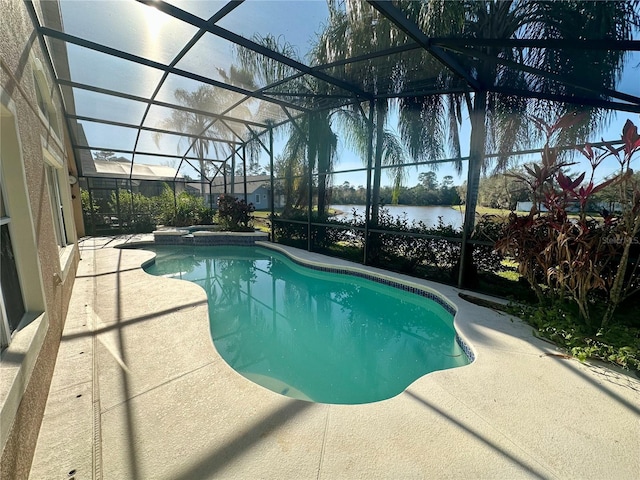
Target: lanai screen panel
[(291, 22), (220, 99), (203, 9), (127, 69), (104, 71), (108, 137), (131, 27), (311, 93)]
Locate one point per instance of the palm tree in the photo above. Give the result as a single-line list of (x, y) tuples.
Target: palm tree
[(310, 143), (190, 124), (431, 122), (354, 29), (310, 137), (313, 137), (393, 153), (498, 120), (193, 125)]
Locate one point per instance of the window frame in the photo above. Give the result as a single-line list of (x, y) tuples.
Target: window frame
[(6, 334), (18, 208), (57, 207), (46, 108), (5, 329)]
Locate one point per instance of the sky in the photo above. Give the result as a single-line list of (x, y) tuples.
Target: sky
[(142, 30)]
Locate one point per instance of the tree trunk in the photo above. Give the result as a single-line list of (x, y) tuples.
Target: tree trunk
[(324, 154), (288, 188), (616, 294), (232, 176), (200, 151), (467, 274), (377, 169)]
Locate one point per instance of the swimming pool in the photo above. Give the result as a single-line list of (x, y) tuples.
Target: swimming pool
[(314, 335)]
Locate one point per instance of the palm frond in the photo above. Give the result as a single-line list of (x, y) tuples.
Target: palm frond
[(395, 154), (265, 70)]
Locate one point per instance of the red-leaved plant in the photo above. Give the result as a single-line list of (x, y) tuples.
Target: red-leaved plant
[(627, 225), (562, 256)]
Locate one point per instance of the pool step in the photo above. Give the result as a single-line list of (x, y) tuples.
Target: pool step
[(207, 238)]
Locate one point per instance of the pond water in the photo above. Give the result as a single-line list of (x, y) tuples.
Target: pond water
[(427, 214)]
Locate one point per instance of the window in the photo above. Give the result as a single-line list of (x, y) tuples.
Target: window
[(21, 288), (11, 300), (43, 95), (257, 198), (56, 205)]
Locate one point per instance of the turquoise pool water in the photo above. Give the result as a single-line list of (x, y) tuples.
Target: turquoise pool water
[(311, 335)]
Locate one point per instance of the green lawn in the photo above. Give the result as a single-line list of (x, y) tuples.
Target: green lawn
[(480, 210)]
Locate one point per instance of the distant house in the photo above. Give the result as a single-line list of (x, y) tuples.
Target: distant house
[(573, 206), (526, 207), (258, 191), (192, 188)]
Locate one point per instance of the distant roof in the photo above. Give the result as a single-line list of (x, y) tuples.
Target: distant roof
[(253, 179), (140, 171), (253, 183)]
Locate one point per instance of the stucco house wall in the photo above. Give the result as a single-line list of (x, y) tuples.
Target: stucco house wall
[(35, 156)]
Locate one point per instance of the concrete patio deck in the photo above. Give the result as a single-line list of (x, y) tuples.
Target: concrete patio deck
[(139, 392)]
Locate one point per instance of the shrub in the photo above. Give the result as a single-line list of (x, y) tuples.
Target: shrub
[(185, 210), (290, 233), (136, 211), (578, 258), (487, 259), (408, 252), (392, 247), (88, 210), (234, 214)]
